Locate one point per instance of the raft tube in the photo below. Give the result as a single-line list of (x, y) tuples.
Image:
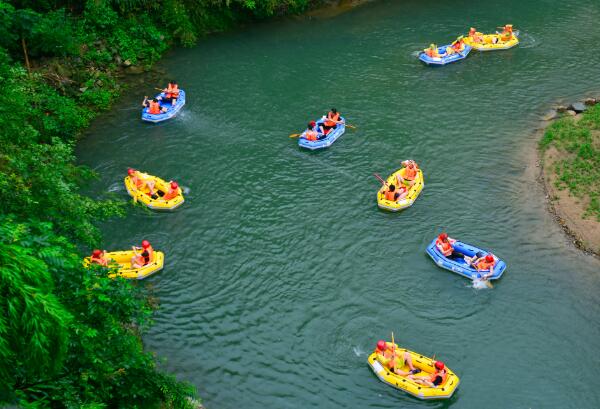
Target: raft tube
[(488, 45), (459, 265), (326, 142), (171, 110), (444, 59), (413, 192), (161, 187), (425, 364), (123, 259)]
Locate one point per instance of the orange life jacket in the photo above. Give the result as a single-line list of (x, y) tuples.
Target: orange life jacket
[(484, 265), (410, 173), (172, 91), (154, 108), (139, 183), (98, 260), (171, 194), (311, 135), (429, 52), (332, 118), (389, 195), (445, 247), (444, 376)]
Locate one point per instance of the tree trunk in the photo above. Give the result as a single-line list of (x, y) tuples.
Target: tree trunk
[(26, 56)]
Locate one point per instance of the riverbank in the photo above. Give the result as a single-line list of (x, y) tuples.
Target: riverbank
[(569, 158)]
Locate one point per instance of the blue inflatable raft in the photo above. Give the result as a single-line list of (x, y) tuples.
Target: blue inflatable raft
[(172, 110), (325, 142), (459, 265), (444, 59)]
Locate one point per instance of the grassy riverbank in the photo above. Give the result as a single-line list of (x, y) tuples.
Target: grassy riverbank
[(570, 150), (70, 337)]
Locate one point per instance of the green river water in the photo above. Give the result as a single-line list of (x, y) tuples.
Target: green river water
[(281, 272)]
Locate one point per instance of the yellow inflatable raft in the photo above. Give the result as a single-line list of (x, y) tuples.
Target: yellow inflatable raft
[(413, 192), (161, 187), (123, 258), (488, 42), (425, 364)]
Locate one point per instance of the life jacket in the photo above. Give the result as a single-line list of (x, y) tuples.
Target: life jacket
[(98, 260), (150, 256), (172, 91), (154, 108), (171, 194), (484, 265), (443, 374), (311, 135), (410, 173), (429, 52), (389, 195), (444, 246), (138, 182), (331, 118), (457, 46)]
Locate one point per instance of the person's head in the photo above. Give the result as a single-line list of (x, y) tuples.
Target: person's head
[(411, 165), (131, 171), (145, 244), (439, 365), (96, 253), (392, 188), (311, 125), (381, 345), (174, 185), (333, 110), (443, 237), (432, 46), (472, 30), (489, 258), (154, 100)]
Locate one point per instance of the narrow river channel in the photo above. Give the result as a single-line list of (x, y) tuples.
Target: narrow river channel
[(281, 273)]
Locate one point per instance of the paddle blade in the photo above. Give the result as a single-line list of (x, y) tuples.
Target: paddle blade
[(295, 135), (350, 126), (480, 284)]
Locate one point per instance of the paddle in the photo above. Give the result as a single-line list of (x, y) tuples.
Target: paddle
[(380, 178), (295, 135), (351, 126)]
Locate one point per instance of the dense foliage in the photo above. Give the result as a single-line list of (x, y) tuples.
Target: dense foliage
[(580, 170), (70, 336)]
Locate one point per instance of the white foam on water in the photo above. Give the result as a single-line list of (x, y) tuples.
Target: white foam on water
[(358, 351)]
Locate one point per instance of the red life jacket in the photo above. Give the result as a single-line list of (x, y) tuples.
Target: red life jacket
[(389, 195), (311, 135), (154, 108)]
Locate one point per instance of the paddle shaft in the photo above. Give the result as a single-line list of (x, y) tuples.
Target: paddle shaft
[(380, 178)]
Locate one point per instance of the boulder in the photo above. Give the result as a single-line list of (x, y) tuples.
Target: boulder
[(560, 109), (590, 101), (570, 112), (577, 107), (550, 115), (127, 63)]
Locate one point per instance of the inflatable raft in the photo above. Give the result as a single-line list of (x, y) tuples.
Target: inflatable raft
[(413, 192), (444, 59), (425, 364), (157, 203), (123, 258), (459, 265), (172, 110), (488, 42), (327, 141)]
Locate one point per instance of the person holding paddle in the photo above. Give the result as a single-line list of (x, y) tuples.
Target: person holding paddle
[(311, 134), (153, 106), (394, 361), (330, 121), (171, 93)]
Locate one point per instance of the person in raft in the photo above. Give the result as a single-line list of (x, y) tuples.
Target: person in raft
[(394, 195), (432, 51), (505, 36), (435, 379), (388, 357), (171, 93), (172, 193), (144, 257), (410, 173), (445, 245), (140, 181), (99, 257), (153, 106), (311, 134), (475, 36), (330, 121), (483, 263)]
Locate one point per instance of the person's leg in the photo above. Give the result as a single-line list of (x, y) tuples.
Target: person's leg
[(408, 360)]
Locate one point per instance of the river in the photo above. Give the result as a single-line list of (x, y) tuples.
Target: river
[(281, 272)]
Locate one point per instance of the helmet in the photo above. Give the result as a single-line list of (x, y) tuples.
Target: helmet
[(489, 258), (443, 236), (174, 185), (312, 123), (145, 244), (130, 171), (96, 253), (381, 345), (439, 365)]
